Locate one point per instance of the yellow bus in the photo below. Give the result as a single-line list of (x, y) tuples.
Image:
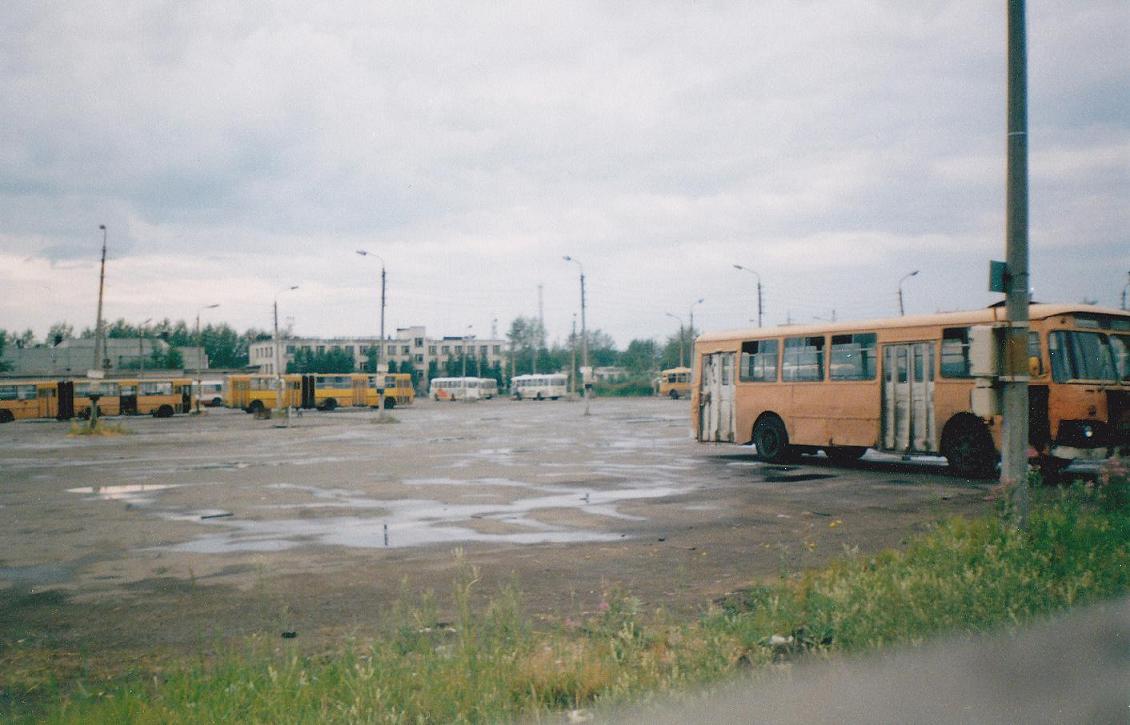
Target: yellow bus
[(916, 385), (65, 399), (398, 390), (20, 400), (675, 383), (256, 393)]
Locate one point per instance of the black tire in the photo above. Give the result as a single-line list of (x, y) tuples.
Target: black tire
[(968, 448), (217, 402), (6, 416), (845, 454), (537, 397), (517, 396), (390, 403), (165, 411), (673, 395), (330, 404), (771, 440), (436, 397), (255, 407)]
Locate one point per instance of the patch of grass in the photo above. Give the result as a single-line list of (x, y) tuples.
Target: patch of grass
[(102, 429), (490, 664)]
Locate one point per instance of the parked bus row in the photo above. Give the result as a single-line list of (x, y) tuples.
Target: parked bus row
[(75, 398), (916, 385), (255, 393)]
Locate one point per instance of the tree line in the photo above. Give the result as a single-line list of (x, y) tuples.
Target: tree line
[(529, 351)]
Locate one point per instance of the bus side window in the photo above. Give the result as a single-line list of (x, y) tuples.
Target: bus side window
[(853, 356), (955, 352), (803, 359), (1035, 359), (759, 361)]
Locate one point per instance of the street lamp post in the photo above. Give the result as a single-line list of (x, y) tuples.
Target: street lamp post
[(584, 334), (279, 357), (199, 351), (466, 337), (1125, 289), (755, 274), (680, 319), (905, 277), (379, 372)]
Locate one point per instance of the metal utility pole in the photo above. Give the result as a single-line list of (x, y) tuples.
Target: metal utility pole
[(97, 371), (573, 362), (279, 369), (584, 335), (380, 371), (98, 342), (758, 276), (1014, 356), (905, 277), (1125, 288)]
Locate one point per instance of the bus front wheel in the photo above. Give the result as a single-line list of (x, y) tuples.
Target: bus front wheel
[(255, 407), (390, 403), (165, 411), (674, 394), (771, 440), (330, 404), (968, 448), (6, 416)]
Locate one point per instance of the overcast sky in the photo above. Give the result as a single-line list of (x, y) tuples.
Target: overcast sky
[(236, 149)]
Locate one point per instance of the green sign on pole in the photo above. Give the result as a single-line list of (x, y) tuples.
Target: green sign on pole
[(997, 274)]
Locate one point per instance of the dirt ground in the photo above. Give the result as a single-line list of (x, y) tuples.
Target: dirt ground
[(188, 531)]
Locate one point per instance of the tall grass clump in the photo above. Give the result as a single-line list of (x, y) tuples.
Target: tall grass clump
[(490, 664), (103, 428)]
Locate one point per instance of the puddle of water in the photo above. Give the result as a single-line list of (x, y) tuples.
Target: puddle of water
[(131, 492), (37, 574), (405, 523)]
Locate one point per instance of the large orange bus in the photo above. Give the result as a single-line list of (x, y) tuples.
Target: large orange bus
[(914, 385)]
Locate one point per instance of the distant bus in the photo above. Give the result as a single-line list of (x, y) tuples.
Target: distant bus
[(488, 388), (675, 383), (398, 390), (916, 385), (210, 393), (454, 389), (30, 399), (539, 386)]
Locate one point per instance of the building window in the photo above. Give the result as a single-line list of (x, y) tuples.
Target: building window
[(459, 349), (419, 342), (290, 349), (431, 349), (392, 349), (321, 349), (404, 350), (498, 349), (483, 350), (447, 349), (419, 358)]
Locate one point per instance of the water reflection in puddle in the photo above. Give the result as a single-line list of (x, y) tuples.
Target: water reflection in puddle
[(402, 523), (133, 492)]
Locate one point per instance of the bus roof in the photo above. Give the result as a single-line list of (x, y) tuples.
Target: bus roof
[(988, 314)]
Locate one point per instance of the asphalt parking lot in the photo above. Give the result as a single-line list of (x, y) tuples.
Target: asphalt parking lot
[(196, 528)]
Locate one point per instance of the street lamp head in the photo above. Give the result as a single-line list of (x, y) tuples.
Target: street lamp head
[(914, 273), (102, 227), (567, 258), (293, 287), (738, 266), (700, 300)]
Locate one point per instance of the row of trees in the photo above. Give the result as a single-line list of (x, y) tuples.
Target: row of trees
[(227, 348)]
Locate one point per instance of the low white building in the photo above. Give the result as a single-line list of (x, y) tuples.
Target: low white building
[(410, 344)]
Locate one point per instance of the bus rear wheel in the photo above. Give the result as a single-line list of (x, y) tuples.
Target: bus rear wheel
[(6, 416), (969, 450), (674, 395), (330, 404), (771, 440), (390, 403), (165, 411), (255, 407)]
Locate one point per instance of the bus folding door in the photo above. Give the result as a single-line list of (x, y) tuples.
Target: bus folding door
[(66, 396), (309, 400), (716, 398), (48, 402), (908, 398)]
